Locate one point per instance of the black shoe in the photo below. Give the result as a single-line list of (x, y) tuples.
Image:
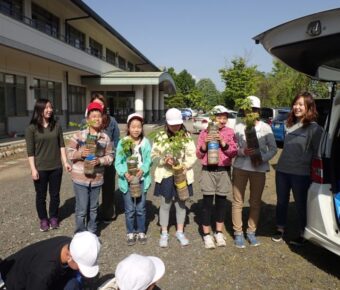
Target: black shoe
[(278, 236), (298, 242)]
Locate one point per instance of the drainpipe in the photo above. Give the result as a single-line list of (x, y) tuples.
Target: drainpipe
[(67, 117)]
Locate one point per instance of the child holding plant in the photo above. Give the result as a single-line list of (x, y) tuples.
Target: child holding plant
[(215, 179), (134, 181), (247, 168), (175, 150), (88, 167)]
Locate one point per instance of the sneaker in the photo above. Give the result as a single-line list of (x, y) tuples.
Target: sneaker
[(44, 225), (142, 238), (182, 239), (209, 242), (220, 240), (239, 241), (164, 240), (252, 240), (131, 239), (54, 223), (298, 242), (107, 221), (278, 236)]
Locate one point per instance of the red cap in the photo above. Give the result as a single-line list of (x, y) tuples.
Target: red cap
[(94, 106)]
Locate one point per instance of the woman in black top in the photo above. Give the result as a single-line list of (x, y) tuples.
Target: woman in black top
[(46, 150)]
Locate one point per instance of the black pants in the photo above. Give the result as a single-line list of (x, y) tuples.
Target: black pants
[(108, 191), (220, 208), (52, 180)]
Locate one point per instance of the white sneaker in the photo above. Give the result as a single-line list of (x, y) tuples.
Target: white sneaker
[(220, 240), (164, 240), (209, 242)]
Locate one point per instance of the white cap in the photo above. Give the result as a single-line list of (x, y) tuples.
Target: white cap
[(84, 249), (219, 109), (138, 272), (255, 102), (173, 116), (135, 116)]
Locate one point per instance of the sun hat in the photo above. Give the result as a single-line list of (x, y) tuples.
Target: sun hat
[(137, 272), (94, 106), (84, 249), (219, 109), (173, 116), (135, 116), (255, 102)]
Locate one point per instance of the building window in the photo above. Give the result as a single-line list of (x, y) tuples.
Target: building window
[(14, 94), (130, 66), (75, 37), (121, 63), (137, 68), (120, 104), (49, 90), (110, 56), (96, 48), (76, 99), (45, 21), (13, 8)]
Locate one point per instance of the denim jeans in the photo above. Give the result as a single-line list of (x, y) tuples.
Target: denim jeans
[(51, 179), (86, 207), (135, 210), (299, 185)]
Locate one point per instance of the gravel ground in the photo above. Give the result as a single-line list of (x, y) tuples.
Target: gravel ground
[(269, 266)]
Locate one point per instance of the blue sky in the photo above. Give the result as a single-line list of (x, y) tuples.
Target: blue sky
[(199, 35)]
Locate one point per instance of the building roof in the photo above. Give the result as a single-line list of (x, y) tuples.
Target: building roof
[(163, 79), (114, 32)]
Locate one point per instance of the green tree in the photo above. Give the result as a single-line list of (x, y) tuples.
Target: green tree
[(240, 80), (185, 83), (210, 94), (285, 83)]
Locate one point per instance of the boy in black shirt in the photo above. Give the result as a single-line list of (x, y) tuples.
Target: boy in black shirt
[(52, 264)]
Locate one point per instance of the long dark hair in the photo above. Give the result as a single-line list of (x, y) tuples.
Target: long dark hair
[(311, 112), (105, 117), (38, 112)]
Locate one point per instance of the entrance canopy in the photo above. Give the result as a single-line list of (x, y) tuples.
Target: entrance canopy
[(163, 79)]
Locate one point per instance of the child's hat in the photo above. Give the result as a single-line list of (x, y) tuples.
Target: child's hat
[(84, 249), (255, 102), (94, 106), (173, 116), (135, 116), (137, 272)]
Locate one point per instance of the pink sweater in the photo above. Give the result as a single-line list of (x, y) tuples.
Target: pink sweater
[(224, 156)]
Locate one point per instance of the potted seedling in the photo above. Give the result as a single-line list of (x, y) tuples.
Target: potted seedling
[(90, 144), (132, 163), (249, 120), (213, 145), (174, 146)]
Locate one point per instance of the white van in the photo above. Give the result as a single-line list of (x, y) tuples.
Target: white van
[(311, 45)]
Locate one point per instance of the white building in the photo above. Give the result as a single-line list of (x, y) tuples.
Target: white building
[(62, 50)]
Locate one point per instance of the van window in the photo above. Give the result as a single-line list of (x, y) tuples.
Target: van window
[(281, 116)]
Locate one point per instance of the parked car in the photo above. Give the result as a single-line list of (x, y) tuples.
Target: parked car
[(186, 114), (322, 106), (201, 121), (267, 115), (279, 124), (316, 37)]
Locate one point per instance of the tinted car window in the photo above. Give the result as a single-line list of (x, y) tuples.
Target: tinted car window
[(282, 116), (266, 113), (322, 106)]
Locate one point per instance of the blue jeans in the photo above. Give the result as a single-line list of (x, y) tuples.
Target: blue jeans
[(86, 207), (299, 185), (135, 209)]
